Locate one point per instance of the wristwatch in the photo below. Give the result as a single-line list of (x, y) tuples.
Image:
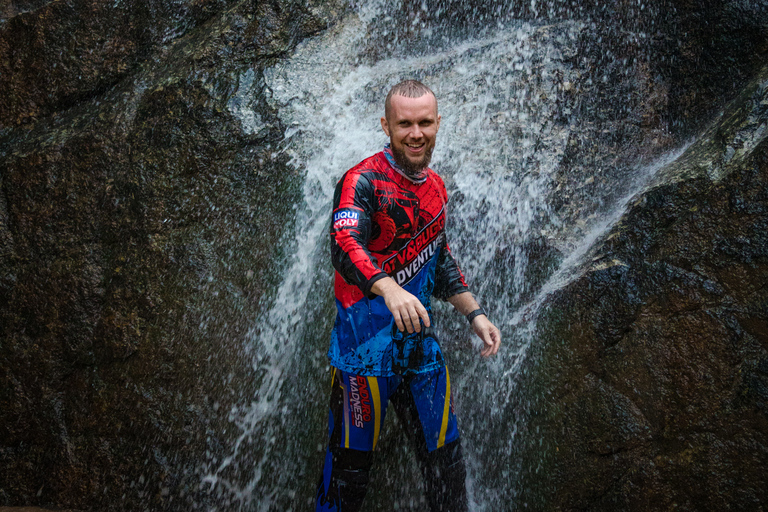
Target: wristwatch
[(479, 311)]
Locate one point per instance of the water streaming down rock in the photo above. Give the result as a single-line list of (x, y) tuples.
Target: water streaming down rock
[(137, 241), (503, 136)]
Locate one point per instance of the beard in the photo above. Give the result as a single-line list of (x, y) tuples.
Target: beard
[(412, 169)]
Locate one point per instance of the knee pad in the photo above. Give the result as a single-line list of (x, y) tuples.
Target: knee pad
[(351, 465), (344, 481)]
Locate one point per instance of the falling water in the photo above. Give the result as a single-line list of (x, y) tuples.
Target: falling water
[(503, 136)]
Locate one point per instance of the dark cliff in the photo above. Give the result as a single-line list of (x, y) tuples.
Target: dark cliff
[(129, 194), (131, 189), (648, 376)]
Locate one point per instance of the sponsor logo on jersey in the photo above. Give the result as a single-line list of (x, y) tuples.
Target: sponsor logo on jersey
[(406, 264), (345, 219), (359, 399)]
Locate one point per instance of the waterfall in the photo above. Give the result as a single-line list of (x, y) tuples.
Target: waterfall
[(505, 128)]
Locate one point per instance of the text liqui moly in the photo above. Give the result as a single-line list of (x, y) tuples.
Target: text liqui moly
[(345, 219)]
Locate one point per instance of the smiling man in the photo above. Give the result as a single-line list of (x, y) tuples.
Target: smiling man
[(389, 249)]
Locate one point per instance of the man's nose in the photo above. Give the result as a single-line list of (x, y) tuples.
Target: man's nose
[(416, 132)]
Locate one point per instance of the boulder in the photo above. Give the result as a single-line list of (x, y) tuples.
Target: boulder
[(133, 183), (648, 373)]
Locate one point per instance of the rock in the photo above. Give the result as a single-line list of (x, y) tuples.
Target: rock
[(33, 509), (56, 54), (656, 366), (130, 191), (141, 161)]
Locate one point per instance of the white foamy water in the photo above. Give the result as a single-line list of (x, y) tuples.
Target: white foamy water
[(498, 150)]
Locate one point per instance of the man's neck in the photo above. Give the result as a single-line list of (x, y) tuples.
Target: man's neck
[(417, 178)]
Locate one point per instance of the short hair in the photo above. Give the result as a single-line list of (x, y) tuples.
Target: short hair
[(409, 89)]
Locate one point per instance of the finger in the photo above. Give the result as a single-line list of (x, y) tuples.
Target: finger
[(398, 321), (416, 316), (491, 347), (485, 352), (422, 311), (417, 319), (411, 320), (497, 340)]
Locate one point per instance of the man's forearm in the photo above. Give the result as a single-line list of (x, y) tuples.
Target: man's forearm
[(384, 285), (464, 303)]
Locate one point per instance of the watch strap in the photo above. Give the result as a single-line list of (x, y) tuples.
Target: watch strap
[(475, 313)]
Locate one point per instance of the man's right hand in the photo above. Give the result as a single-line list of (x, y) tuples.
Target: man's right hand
[(404, 306)]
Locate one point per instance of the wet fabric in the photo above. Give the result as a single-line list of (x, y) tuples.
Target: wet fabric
[(359, 404), (424, 405), (385, 225)]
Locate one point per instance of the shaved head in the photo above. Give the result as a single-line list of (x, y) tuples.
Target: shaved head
[(409, 89)]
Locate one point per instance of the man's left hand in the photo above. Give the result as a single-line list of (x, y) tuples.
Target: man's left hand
[(487, 332)]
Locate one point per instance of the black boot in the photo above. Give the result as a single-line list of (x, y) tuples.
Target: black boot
[(445, 479)]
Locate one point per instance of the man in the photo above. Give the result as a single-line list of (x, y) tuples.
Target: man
[(390, 252)]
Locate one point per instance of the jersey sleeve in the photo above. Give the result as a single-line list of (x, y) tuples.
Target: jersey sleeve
[(353, 207), (449, 280)]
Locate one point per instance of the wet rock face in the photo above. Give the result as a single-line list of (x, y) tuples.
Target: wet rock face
[(144, 195), (56, 54), (653, 74), (650, 375), (140, 216)]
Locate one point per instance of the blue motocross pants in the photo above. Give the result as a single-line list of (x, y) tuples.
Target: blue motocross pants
[(424, 404)]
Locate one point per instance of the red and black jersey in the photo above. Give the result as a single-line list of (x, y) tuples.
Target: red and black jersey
[(384, 224)]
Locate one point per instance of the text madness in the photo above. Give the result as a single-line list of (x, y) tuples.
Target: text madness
[(359, 399)]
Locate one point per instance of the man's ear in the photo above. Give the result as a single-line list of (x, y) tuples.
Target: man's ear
[(385, 126), (438, 123)]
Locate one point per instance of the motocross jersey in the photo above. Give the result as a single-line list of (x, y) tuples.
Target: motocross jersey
[(386, 225)]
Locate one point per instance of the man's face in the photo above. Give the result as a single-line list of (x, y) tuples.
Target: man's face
[(412, 125)]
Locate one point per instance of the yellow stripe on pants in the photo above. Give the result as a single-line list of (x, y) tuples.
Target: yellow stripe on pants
[(346, 416), (374, 385), (446, 409)]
